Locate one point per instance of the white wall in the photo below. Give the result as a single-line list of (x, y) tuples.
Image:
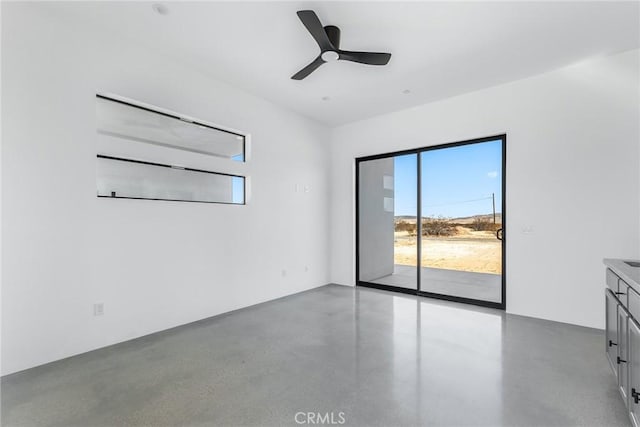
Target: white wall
[(572, 172), (153, 264)]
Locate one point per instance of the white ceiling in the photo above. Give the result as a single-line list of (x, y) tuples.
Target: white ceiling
[(440, 49)]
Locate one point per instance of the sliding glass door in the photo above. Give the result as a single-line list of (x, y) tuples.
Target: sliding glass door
[(456, 250), (461, 196)]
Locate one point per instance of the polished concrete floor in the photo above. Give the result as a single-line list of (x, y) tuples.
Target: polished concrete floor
[(465, 284), (382, 359)]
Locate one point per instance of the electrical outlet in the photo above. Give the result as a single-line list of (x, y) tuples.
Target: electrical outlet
[(284, 273), (98, 309), (306, 268)]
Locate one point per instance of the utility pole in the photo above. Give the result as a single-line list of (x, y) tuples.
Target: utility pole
[(493, 201)]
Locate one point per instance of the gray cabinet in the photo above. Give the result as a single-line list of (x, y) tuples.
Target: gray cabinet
[(633, 304), (623, 352), (633, 398), (611, 331), (622, 336)]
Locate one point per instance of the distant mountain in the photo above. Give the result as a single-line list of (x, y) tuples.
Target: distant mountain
[(460, 220), (470, 219), (405, 217)]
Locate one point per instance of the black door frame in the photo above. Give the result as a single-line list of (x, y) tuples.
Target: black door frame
[(501, 305)]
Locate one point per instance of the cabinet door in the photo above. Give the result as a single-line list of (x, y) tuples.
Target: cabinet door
[(634, 372), (623, 352), (611, 331), (612, 280)]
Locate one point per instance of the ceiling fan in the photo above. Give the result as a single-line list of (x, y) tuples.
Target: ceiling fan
[(328, 39)]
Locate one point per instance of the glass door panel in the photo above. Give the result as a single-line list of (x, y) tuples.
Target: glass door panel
[(461, 201), (387, 221)]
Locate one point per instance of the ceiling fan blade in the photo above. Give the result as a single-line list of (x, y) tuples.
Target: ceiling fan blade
[(308, 69), (313, 25), (371, 58)]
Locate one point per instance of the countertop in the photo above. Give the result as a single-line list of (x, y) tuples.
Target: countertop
[(629, 274)]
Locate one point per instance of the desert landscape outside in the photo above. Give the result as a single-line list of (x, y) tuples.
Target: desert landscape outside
[(464, 244)]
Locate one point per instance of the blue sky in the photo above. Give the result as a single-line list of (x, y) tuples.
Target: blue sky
[(237, 186), (456, 181)]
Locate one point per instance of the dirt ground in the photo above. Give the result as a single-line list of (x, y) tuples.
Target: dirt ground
[(477, 251)]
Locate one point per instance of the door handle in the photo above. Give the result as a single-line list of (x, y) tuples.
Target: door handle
[(611, 343), (499, 234), (621, 361), (635, 395)]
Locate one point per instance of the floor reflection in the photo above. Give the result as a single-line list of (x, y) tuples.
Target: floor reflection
[(433, 354)]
